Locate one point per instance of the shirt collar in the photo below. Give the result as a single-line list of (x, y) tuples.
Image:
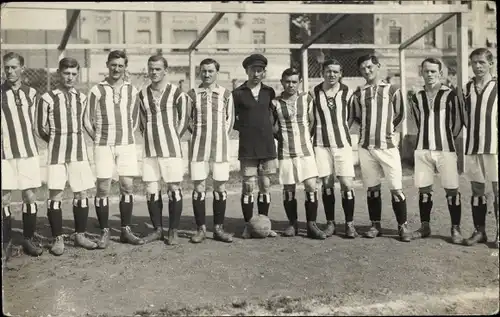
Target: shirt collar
[(105, 83), (380, 83), (59, 91), (244, 86), (442, 87), (215, 89), (281, 97)]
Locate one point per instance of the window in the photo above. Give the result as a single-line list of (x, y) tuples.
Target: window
[(222, 37), (468, 3), (104, 37), (490, 6), (394, 35), (469, 38), (259, 38), (143, 37), (184, 37), (430, 38), (449, 41)]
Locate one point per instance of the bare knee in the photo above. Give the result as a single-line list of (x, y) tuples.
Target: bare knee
[(173, 186), (29, 196), (345, 183), (425, 190), (374, 189), (451, 191), (200, 186), (264, 184), (56, 194), (80, 195), (126, 185), (310, 185), (289, 188), (478, 189), (6, 195), (103, 186), (328, 181), (248, 185), (152, 188), (398, 194), (219, 186)]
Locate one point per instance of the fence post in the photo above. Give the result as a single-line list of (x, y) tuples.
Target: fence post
[(192, 69), (48, 69), (305, 70), (462, 76), (404, 99)]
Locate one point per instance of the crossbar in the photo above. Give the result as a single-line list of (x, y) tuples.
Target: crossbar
[(255, 8), (7, 46), (426, 30), (215, 19), (325, 29)]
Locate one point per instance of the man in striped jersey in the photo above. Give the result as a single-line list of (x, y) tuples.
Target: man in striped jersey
[(256, 147), (111, 117), (437, 114), (481, 148), (211, 118), (163, 121), (59, 120), (378, 109), (293, 114), (332, 144), (20, 161)]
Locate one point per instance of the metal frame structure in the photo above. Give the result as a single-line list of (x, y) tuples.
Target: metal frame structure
[(219, 9)]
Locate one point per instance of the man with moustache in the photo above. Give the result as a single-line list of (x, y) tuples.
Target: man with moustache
[(111, 117), (163, 121), (59, 122), (332, 144), (256, 149), (211, 117)]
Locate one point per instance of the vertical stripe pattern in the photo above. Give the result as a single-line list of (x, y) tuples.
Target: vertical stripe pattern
[(294, 119), (330, 116), (439, 122), (482, 118), (17, 116), (379, 110), (164, 123), (59, 118), (212, 118), (111, 116)]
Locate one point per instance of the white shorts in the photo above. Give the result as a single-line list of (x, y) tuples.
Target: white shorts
[(78, 174), (121, 157), (427, 162), (296, 170), (21, 173), (375, 163), (333, 161), (200, 170), (481, 168), (171, 169)]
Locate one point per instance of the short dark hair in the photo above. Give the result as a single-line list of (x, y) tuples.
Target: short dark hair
[(68, 62), (158, 58), (329, 62), (291, 72), (432, 60), (208, 61), (117, 54), (368, 57), (12, 55), (482, 51)]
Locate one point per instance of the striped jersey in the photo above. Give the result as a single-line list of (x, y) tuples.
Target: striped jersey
[(482, 118), (163, 121), (294, 119), (378, 110), (18, 111), (438, 120), (330, 117), (112, 116), (211, 120), (59, 122)]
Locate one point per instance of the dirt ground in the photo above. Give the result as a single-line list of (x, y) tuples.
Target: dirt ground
[(273, 276)]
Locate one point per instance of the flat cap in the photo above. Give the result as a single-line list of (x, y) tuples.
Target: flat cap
[(255, 60)]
